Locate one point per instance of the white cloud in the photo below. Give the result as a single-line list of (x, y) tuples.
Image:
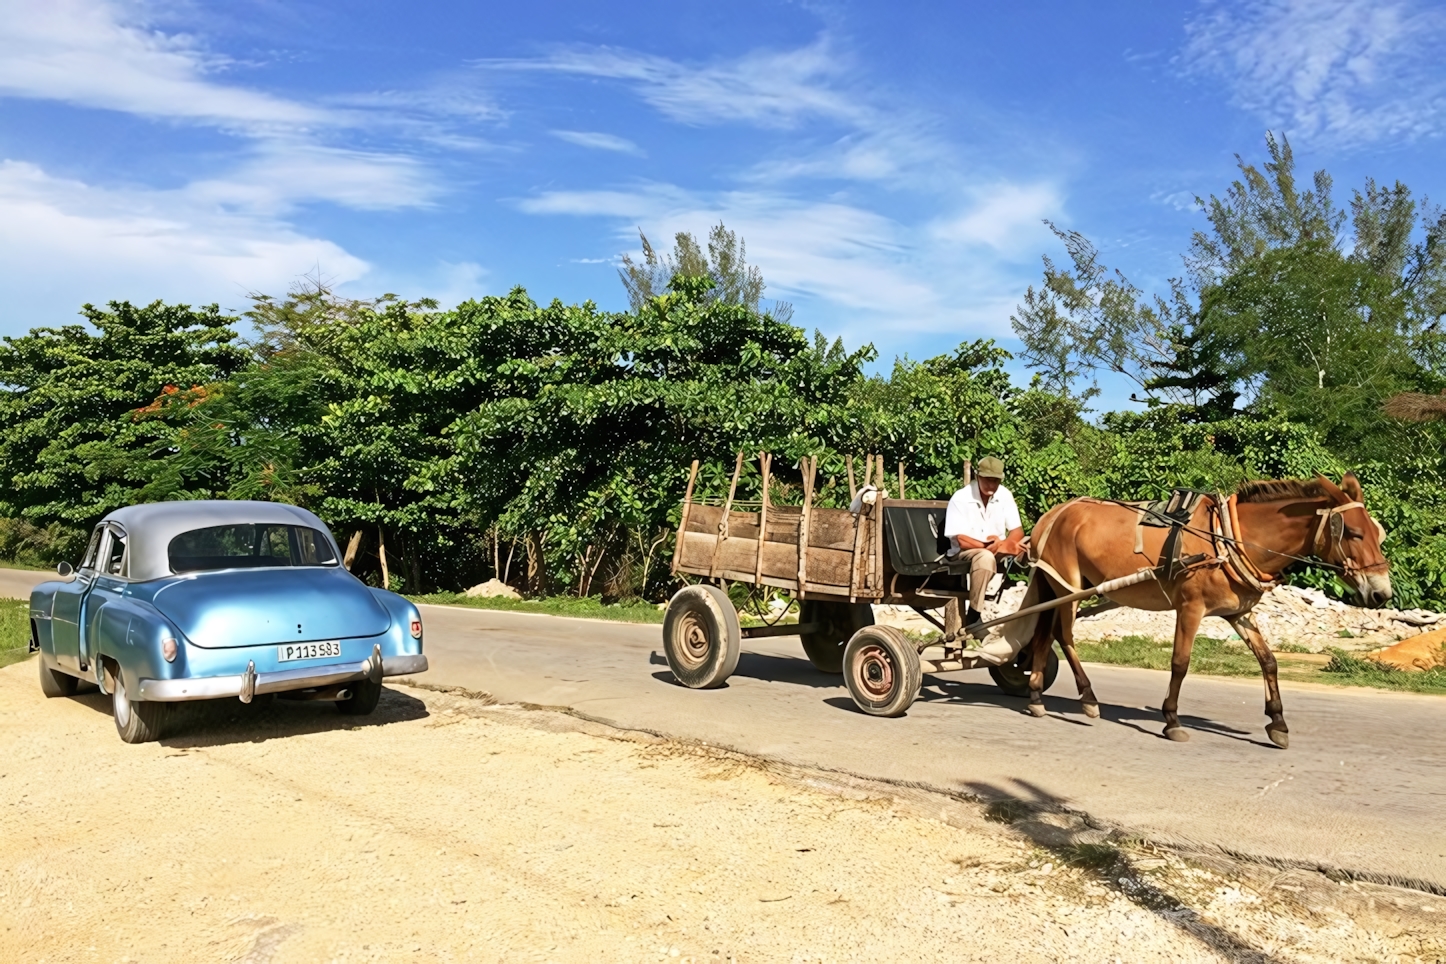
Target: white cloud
[(598, 141), (281, 173), (91, 53), (1346, 71), (63, 242), (767, 88), (1003, 217)]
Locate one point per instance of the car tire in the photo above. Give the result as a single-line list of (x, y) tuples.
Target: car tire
[(136, 722), (882, 670), (837, 624), (701, 637), (54, 683), (363, 699), (1013, 677)]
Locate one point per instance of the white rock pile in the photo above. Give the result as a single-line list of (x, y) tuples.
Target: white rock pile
[(1299, 617)]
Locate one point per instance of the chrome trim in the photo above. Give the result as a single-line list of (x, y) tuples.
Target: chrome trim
[(307, 677), (248, 683), (402, 665)]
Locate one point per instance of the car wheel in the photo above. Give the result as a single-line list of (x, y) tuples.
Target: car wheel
[(54, 683), (136, 722), (363, 698)]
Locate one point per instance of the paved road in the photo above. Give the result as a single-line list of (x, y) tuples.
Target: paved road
[(1363, 785)]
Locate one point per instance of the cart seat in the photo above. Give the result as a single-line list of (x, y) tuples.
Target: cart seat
[(914, 532)]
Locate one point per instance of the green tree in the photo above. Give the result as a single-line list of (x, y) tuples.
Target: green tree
[(735, 281), (92, 418)]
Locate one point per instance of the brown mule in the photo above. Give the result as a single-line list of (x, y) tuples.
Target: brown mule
[(1234, 550)]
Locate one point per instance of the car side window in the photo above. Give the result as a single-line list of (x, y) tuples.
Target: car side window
[(115, 554), (90, 550)]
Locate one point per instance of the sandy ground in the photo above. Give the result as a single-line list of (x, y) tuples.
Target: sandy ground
[(446, 829)]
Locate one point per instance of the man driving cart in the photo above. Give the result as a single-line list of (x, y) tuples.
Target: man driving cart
[(983, 526)]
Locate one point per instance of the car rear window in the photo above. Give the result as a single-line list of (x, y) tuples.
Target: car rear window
[(249, 546)]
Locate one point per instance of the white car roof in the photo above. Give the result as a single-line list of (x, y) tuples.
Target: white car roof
[(150, 528)]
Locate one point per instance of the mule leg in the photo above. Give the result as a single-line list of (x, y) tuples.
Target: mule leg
[(1039, 650), (1064, 632), (1187, 623), (1276, 729)]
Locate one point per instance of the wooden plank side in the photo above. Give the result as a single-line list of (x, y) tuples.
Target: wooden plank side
[(780, 560), (683, 521)]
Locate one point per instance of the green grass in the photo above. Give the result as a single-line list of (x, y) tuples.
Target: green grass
[(1350, 670), (587, 608), (14, 630)]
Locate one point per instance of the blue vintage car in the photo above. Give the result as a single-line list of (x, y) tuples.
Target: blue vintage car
[(201, 600)]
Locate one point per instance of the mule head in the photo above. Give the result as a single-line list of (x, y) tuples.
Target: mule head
[(1351, 538)]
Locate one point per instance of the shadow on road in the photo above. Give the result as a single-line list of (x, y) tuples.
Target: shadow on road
[(225, 721), (1051, 825), (1146, 720)]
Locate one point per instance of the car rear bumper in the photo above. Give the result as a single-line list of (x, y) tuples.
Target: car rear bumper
[(301, 678)]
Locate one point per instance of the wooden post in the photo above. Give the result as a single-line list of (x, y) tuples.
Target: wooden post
[(901, 480), (723, 522), (853, 490), (382, 554), (809, 466), (765, 463), (968, 473), (351, 548), (683, 522)]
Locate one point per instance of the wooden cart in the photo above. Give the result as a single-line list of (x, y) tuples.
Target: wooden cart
[(836, 563)]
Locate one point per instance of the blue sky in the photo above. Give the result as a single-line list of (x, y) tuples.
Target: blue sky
[(888, 164)]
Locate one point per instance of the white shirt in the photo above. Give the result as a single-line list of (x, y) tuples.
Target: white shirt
[(969, 516)]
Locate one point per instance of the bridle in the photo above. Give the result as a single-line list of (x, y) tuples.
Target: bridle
[(1330, 534)]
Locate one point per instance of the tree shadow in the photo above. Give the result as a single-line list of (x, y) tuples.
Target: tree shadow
[(1028, 809), (199, 723)]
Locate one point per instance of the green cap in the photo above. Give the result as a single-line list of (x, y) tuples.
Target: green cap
[(990, 468)]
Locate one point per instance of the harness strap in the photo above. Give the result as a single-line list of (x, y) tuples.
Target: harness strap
[(1327, 518), (1235, 558)]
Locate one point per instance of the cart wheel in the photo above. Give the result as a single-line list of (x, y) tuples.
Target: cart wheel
[(838, 622), (1013, 677), (701, 636), (882, 670)]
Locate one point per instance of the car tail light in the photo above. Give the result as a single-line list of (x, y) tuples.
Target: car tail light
[(416, 629), (168, 649)]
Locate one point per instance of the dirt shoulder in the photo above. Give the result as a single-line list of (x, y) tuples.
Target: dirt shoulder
[(443, 829)]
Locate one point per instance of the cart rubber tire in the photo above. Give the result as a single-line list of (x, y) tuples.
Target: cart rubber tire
[(363, 699), (701, 637), (882, 670), (1013, 678), (840, 621), (136, 722), (54, 683)]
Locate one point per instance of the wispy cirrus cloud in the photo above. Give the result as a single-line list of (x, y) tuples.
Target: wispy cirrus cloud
[(97, 53), (769, 88), (1342, 71), (597, 141)]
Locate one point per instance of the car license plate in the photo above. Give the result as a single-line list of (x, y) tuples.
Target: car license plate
[(318, 650)]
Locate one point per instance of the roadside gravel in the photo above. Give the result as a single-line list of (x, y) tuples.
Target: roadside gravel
[(446, 829)]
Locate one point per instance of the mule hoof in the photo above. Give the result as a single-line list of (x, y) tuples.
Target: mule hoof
[(1280, 738), (1092, 710), (1036, 709), (1177, 733)]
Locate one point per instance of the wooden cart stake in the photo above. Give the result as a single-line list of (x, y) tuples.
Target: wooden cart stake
[(765, 464), (683, 522), (723, 522)]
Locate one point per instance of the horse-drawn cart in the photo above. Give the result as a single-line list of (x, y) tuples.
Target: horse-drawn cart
[(836, 563)]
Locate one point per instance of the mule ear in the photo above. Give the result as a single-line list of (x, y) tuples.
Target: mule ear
[(1332, 490), (1352, 487)]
